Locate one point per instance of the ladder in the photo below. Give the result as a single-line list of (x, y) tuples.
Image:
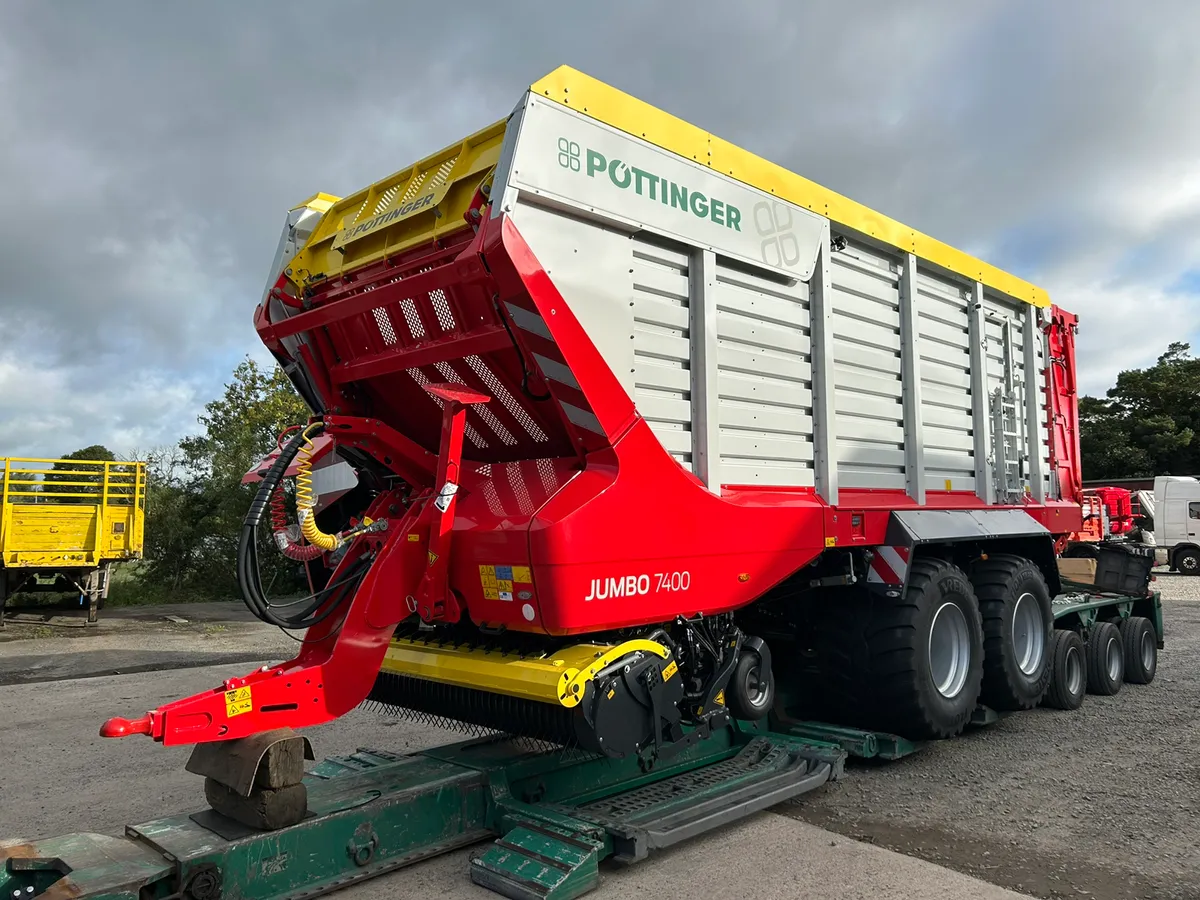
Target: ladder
[(1008, 425)]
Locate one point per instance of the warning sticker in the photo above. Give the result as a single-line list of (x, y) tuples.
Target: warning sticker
[(238, 701), (487, 579), (669, 671), (413, 537), (433, 557), (502, 582)]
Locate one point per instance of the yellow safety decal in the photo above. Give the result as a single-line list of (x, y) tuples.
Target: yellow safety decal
[(949, 485), (433, 557), (831, 542), (612, 692), (669, 671), (487, 580), (238, 701), (721, 699), (413, 537), (522, 575)]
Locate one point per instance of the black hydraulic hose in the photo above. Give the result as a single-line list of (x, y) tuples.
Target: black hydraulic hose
[(248, 578), (247, 559)]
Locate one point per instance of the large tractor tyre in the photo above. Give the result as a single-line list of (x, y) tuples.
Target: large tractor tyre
[(1068, 671), (1139, 641), (1018, 622), (1105, 660), (909, 665), (751, 691), (1081, 551), (1187, 562)]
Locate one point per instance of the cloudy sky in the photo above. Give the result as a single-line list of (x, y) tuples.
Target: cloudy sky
[(149, 151)]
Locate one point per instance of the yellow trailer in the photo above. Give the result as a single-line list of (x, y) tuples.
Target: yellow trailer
[(64, 522)]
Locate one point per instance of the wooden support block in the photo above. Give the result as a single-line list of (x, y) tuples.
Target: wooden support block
[(265, 809)]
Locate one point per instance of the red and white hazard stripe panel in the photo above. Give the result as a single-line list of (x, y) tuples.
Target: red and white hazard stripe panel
[(889, 565)]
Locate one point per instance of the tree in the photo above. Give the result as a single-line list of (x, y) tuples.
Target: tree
[(1148, 424), (78, 472), (196, 501)]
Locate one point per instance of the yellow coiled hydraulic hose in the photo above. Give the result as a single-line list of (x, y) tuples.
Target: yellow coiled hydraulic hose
[(305, 501)]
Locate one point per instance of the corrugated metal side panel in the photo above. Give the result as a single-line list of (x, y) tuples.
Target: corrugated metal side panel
[(764, 379), (661, 343), (942, 345), (866, 352)]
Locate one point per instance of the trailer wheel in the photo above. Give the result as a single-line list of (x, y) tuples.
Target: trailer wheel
[(1187, 562), (909, 665), (1018, 622), (1068, 671), (751, 691), (1140, 645), (1105, 660)]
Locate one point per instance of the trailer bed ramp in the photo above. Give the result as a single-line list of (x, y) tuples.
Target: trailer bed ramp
[(556, 816)]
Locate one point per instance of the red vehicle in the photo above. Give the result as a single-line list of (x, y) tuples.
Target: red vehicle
[(639, 440)]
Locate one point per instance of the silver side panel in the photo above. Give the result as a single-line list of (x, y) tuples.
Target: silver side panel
[(764, 378), (662, 342), (945, 368), (868, 390), (777, 353)]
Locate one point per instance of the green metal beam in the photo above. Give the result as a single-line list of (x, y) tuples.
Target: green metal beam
[(556, 814)]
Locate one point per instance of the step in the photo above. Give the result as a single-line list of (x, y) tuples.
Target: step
[(539, 862), (766, 772)]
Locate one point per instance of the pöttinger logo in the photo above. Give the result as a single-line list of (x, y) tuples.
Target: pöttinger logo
[(568, 154)]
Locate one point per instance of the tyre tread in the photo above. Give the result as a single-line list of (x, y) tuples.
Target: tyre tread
[(872, 674)]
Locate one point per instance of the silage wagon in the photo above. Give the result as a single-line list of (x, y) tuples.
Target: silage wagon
[(674, 474)]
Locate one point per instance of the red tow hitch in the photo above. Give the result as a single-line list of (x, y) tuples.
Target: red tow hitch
[(435, 601)]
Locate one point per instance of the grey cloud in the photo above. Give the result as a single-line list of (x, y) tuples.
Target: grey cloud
[(148, 151)]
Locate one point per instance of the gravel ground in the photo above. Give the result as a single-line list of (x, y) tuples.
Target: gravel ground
[(1100, 803)]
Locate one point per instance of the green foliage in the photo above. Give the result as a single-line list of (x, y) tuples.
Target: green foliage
[(65, 471), (195, 498), (1148, 423)]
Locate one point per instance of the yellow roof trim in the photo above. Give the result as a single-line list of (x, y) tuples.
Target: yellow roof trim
[(606, 104)]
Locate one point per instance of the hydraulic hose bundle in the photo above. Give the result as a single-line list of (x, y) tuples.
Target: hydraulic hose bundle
[(323, 603)]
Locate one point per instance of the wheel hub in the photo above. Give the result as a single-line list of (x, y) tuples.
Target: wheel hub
[(1112, 659), (1029, 634), (1074, 672), (949, 650), (1147, 649)]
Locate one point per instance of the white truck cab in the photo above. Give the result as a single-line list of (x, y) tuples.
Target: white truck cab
[(1177, 521)]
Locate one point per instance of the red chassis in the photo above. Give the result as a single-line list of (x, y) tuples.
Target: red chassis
[(593, 522)]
